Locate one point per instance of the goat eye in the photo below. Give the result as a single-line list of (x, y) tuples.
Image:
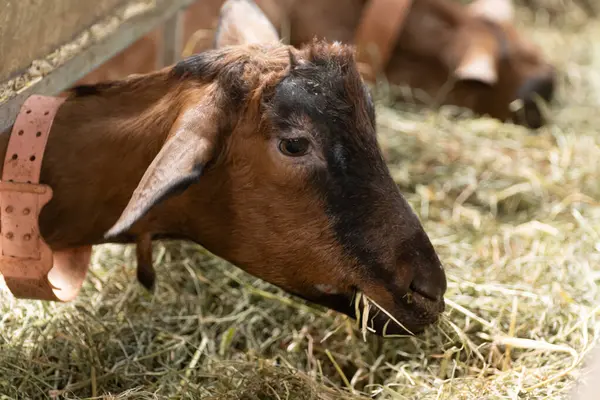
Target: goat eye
[(294, 147)]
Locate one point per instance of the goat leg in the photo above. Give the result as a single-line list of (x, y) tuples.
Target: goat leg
[(145, 271)]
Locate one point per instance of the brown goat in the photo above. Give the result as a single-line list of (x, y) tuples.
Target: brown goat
[(264, 154), (470, 56)]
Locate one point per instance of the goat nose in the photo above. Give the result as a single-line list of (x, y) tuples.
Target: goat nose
[(542, 86), (430, 283)]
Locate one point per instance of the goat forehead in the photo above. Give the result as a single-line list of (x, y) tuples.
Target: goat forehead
[(500, 35), (359, 193), (340, 111), (511, 43), (315, 92)]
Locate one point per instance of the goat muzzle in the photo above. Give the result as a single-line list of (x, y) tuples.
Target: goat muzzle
[(530, 93)]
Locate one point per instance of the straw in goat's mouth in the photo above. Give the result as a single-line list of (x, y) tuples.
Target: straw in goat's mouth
[(362, 308)]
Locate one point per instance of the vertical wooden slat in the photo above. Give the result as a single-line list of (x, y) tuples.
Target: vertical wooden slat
[(172, 41)]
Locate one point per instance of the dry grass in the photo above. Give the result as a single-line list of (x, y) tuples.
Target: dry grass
[(514, 215)]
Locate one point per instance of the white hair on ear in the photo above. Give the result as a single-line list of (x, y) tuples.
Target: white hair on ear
[(477, 65), (243, 22), (500, 11)]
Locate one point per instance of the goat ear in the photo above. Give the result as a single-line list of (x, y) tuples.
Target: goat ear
[(477, 65), (243, 22), (179, 164), (500, 11)]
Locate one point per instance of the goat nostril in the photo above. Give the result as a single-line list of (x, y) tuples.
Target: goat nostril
[(529, 93), (542, 86), (428, 291), (429, 287)]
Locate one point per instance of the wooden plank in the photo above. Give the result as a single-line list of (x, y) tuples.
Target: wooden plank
[(172, 43), (92, 57), (31, 29)]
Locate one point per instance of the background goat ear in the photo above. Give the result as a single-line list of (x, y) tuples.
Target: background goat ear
[(243, 22), (179, 164), (478, 65), (500, 11)]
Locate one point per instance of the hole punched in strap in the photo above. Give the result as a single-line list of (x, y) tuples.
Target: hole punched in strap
[(29, 267)]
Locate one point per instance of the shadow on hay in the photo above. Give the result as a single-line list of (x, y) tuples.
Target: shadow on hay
[(210, 330)]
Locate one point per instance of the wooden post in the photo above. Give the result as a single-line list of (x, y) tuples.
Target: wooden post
[(172, 41)]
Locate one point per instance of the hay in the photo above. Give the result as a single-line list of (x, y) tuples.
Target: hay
[(514, 215)]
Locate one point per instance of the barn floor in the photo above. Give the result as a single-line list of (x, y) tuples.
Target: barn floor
[(514, 215)]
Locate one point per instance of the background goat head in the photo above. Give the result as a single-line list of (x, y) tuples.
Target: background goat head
[(265, 154), (471, 56)]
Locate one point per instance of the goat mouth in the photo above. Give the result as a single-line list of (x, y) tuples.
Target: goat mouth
[(411, 316), (412, 312), (528, 114)]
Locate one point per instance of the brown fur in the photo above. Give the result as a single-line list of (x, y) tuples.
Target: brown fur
[(435, 39), (193, 152), (145, 270)]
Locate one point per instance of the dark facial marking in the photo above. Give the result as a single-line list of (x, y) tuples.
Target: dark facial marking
[(356, 178), (340, 155)]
